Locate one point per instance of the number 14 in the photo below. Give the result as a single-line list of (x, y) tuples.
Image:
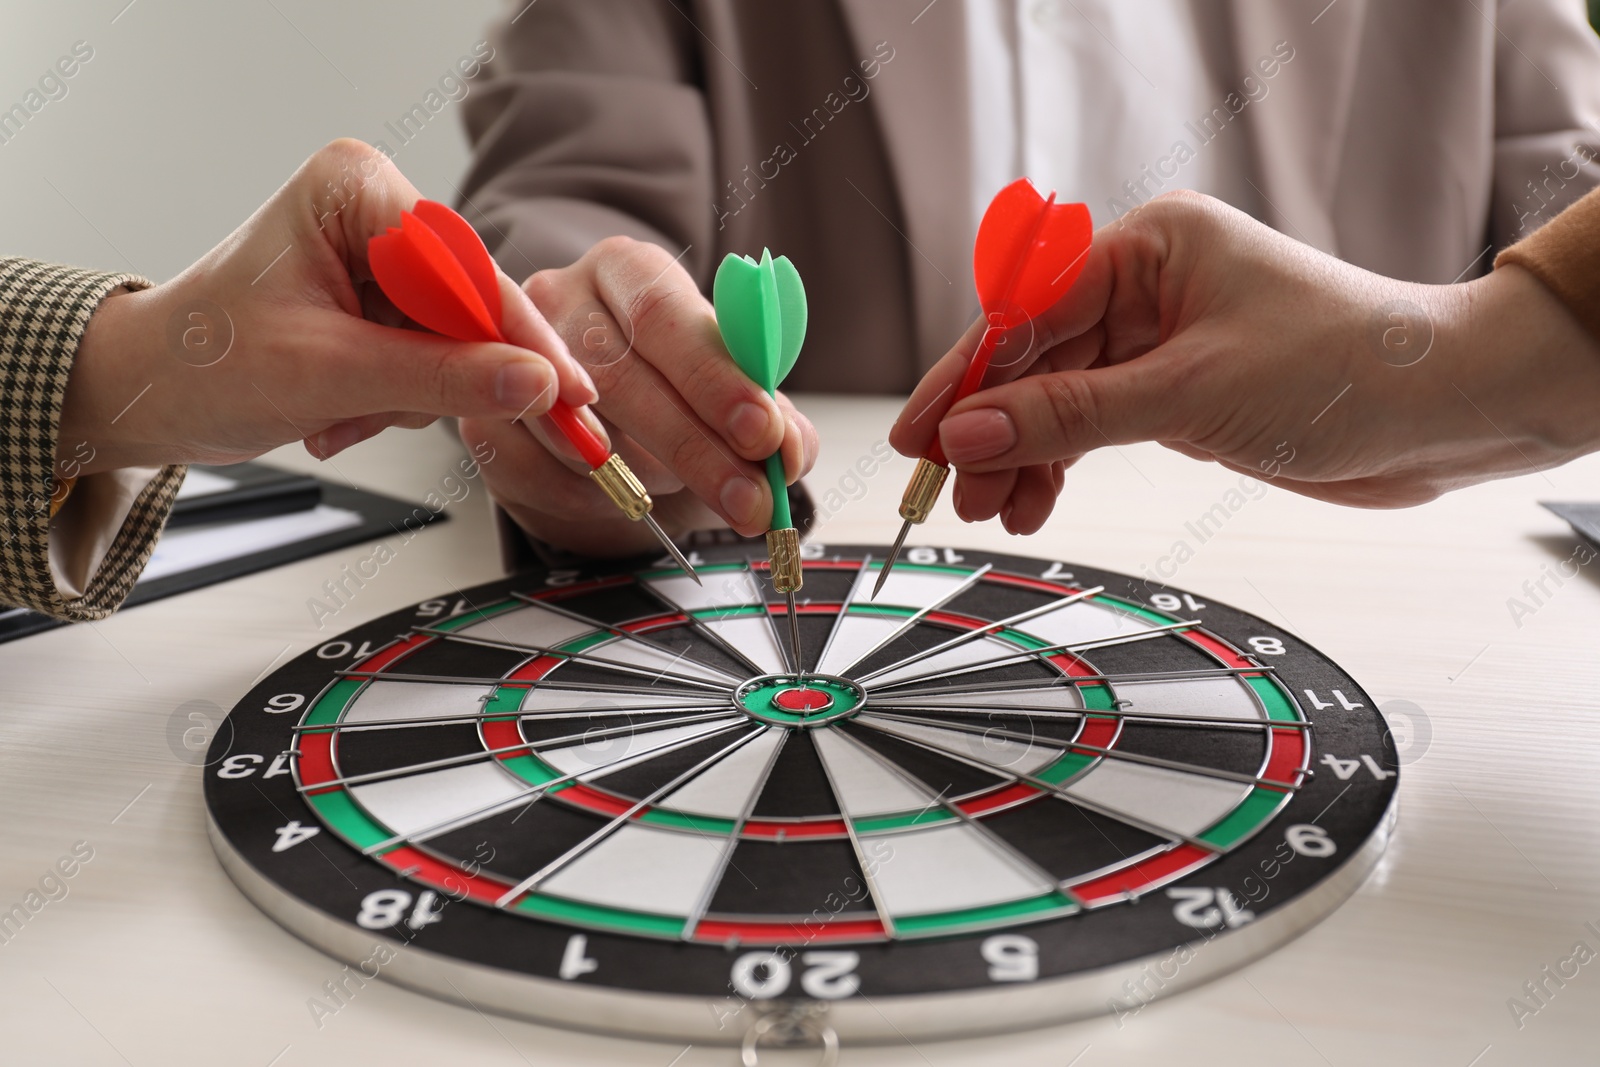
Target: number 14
[(1344, 769)]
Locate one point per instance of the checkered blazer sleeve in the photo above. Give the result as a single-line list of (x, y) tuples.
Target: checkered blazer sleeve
[(43, 311)]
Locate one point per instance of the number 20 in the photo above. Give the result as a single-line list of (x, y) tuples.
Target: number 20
[(828, 975)]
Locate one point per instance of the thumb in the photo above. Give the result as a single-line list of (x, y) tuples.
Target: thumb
[(1041, 418)]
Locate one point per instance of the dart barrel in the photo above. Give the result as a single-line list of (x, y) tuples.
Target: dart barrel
[(623, 487), (922, 492), (783, 549)]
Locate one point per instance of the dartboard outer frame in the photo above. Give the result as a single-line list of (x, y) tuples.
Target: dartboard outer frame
[(1095, 841)]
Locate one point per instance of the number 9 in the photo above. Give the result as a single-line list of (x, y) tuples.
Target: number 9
[(283, 702)]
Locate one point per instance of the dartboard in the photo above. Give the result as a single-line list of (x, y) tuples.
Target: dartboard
[(1002, 792)]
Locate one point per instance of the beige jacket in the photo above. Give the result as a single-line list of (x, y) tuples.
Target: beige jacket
[(1408, 137)]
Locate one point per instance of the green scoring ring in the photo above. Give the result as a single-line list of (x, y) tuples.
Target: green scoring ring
[(755, 699)]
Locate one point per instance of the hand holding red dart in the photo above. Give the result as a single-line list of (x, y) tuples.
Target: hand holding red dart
[(436, 270), (1028, 253)]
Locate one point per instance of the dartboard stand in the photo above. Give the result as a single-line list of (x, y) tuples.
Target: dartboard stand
[(1006, 792)]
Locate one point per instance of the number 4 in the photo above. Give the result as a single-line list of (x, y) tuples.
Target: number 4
[(292, 834)]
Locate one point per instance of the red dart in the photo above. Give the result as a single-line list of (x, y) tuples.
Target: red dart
[(434, 268), (1028, 253)]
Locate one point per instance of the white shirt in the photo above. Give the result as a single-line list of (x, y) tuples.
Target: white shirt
[(1091, 98)]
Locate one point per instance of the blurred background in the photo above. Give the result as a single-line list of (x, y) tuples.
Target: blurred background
[(191, 113)]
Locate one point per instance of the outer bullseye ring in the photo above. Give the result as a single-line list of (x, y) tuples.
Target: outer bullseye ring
[(806, 703)]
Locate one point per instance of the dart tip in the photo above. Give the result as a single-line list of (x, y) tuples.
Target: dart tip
[(672, 549), (794, 637), (894, 554)]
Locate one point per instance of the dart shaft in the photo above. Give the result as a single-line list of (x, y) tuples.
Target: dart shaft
[(586, 441), (971, 381), (780, 492)]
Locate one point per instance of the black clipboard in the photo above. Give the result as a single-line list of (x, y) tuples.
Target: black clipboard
[(1583, 518), (260, 491)]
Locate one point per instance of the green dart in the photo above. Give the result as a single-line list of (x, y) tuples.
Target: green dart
[(761, 311)]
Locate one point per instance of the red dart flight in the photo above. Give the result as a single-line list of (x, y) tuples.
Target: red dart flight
[(1028, 253), (435, 268)]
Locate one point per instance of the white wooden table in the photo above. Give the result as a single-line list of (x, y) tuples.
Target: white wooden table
[(152, 957)]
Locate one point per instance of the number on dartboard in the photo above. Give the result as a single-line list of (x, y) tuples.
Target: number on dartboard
[(1309, 839), (812, 550), (432, 609), (827, 975), (1058, 571), (384, 908), (1175, 602), (283, 702), (925, 555), (1345, 769), (561, 576), (292, 833), (1204, 908), (760, 975), (1267, 646), (242, 765), (342, 649), (1343, 700), (830, 975), (575, 959), (1011, 957)]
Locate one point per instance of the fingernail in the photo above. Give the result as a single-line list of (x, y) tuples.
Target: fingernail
[(748, 424), (521, 384), (740, 500), (336, 438), (808, 451), (588, 382), (976, 435)]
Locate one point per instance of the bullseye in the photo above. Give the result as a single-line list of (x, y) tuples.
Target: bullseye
[(803, 699), (805, 703)]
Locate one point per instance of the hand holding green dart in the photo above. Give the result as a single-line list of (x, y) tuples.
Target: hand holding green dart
[(761, 311)]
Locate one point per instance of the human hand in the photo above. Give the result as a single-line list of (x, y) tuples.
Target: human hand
[(279, 333), (682, 415), (1195, 326)]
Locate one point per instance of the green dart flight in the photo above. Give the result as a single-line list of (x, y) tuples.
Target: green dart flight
[(761, 311)]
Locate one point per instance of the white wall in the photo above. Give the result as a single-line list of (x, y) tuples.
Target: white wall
[(191, 113)]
